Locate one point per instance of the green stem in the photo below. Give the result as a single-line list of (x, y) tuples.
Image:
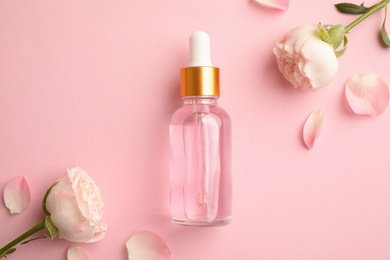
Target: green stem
[(372, 10), (22, 237)]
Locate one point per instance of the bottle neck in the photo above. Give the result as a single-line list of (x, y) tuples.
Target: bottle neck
[(200, 100)]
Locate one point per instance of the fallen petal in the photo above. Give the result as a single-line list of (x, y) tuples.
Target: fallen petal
[(367, 94), (17, 195), (312, 128), (76, 253), (278, 4), (146, 245)]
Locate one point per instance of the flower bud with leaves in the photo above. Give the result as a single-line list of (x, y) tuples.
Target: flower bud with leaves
[(334, 36), (304, 64)]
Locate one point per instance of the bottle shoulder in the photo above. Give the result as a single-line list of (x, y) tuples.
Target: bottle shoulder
[(184, 111)]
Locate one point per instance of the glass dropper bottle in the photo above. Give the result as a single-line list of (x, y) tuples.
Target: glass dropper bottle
[(200, 143)]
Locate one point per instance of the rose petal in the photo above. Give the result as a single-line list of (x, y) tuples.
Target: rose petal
[(278, 4), (76, 253), (367, 94), (312, 128), (17, 195), (321, 64), (146, 245)]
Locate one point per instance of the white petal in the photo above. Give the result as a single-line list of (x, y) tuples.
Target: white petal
[(17, 195), (146, 245), (321, 64), (312, 128), (76, 253), (278, 4), (367, 94), (298, 36)]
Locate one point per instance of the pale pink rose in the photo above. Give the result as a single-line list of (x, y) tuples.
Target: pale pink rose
[(75, 207), (305, 60)]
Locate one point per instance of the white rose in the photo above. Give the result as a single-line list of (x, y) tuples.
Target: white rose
[(305, 60), (75, 207)]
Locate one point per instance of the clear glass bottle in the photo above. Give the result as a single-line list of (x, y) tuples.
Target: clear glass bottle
[(200, 141)]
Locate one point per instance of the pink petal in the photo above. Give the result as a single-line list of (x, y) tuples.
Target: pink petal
[(146, 245), (278, 4), (312, 128), (76, 253), (17, 195), (367, 94)]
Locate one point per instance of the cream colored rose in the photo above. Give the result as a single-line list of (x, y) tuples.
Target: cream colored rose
[(305, 60), (75, 207)]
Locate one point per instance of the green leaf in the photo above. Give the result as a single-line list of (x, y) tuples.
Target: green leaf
[(322, 32), (385, 37), (50, 228), (45, 198), (336, 35), (349, 8), (342, 51), (32, 239), (10, 251)]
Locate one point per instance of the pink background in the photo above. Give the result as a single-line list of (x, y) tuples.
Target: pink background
[(94, 83)]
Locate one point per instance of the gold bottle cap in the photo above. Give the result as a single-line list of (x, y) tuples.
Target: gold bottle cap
[(199, 81), (201, 78)]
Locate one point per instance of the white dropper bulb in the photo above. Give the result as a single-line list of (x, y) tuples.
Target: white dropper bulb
[(200, 49)]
